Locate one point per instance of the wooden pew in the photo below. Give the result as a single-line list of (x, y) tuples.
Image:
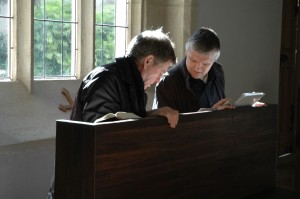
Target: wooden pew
[(220, 154)]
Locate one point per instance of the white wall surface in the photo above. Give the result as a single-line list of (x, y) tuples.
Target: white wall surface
[(250, 34), (26, 117), (26, 169), (27, 136)]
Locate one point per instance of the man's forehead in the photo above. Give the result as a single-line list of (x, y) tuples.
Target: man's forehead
[(197, 56)]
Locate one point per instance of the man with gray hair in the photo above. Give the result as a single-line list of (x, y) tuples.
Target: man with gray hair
[(120, 86), (198, 80)]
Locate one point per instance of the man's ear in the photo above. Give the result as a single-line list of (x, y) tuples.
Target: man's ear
[(148, 61)]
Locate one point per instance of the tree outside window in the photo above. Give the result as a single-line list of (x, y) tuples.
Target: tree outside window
[(110, 30), (54, 38)]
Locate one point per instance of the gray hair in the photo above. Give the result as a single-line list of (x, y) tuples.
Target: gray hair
[(204, 40), (152, 42)]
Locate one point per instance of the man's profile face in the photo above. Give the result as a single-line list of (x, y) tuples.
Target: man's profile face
[(199, 64), (154, 73)]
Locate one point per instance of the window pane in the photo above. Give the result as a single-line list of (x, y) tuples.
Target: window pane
[(110, 30), (53, 9), (39, 48), (105, 45), (3, 48), (99, 12), (109, 12), (67, 50), (108, 40), (55, 38), (121, 13), (4, 8), (39, 9), (120, 42), (98, 46), (67, 10), (53, 55)]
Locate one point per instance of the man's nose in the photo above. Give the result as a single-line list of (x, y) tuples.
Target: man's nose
[(199, 67)]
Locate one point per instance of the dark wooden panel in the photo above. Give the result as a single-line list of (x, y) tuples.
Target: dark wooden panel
[(74, 166), (221, 154), (287, 76), (297, 165)]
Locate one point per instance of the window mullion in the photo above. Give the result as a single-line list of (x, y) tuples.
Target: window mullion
[(44, 40), (62, 41), (9, 43)]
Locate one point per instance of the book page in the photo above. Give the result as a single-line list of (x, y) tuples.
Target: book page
[(106, 117), (203, 110), (117, 116)]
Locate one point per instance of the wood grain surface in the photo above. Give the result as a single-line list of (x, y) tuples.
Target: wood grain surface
[(220, 154)]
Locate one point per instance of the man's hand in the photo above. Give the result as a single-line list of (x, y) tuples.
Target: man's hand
[(223, 104), (171, 115)]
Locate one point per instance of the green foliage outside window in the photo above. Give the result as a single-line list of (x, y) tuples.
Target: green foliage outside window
[(52, 39), (3, 55), (4, 39), (105, 35)]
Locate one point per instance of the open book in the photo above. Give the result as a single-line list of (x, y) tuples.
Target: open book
[(204, 110), (117, 116)]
